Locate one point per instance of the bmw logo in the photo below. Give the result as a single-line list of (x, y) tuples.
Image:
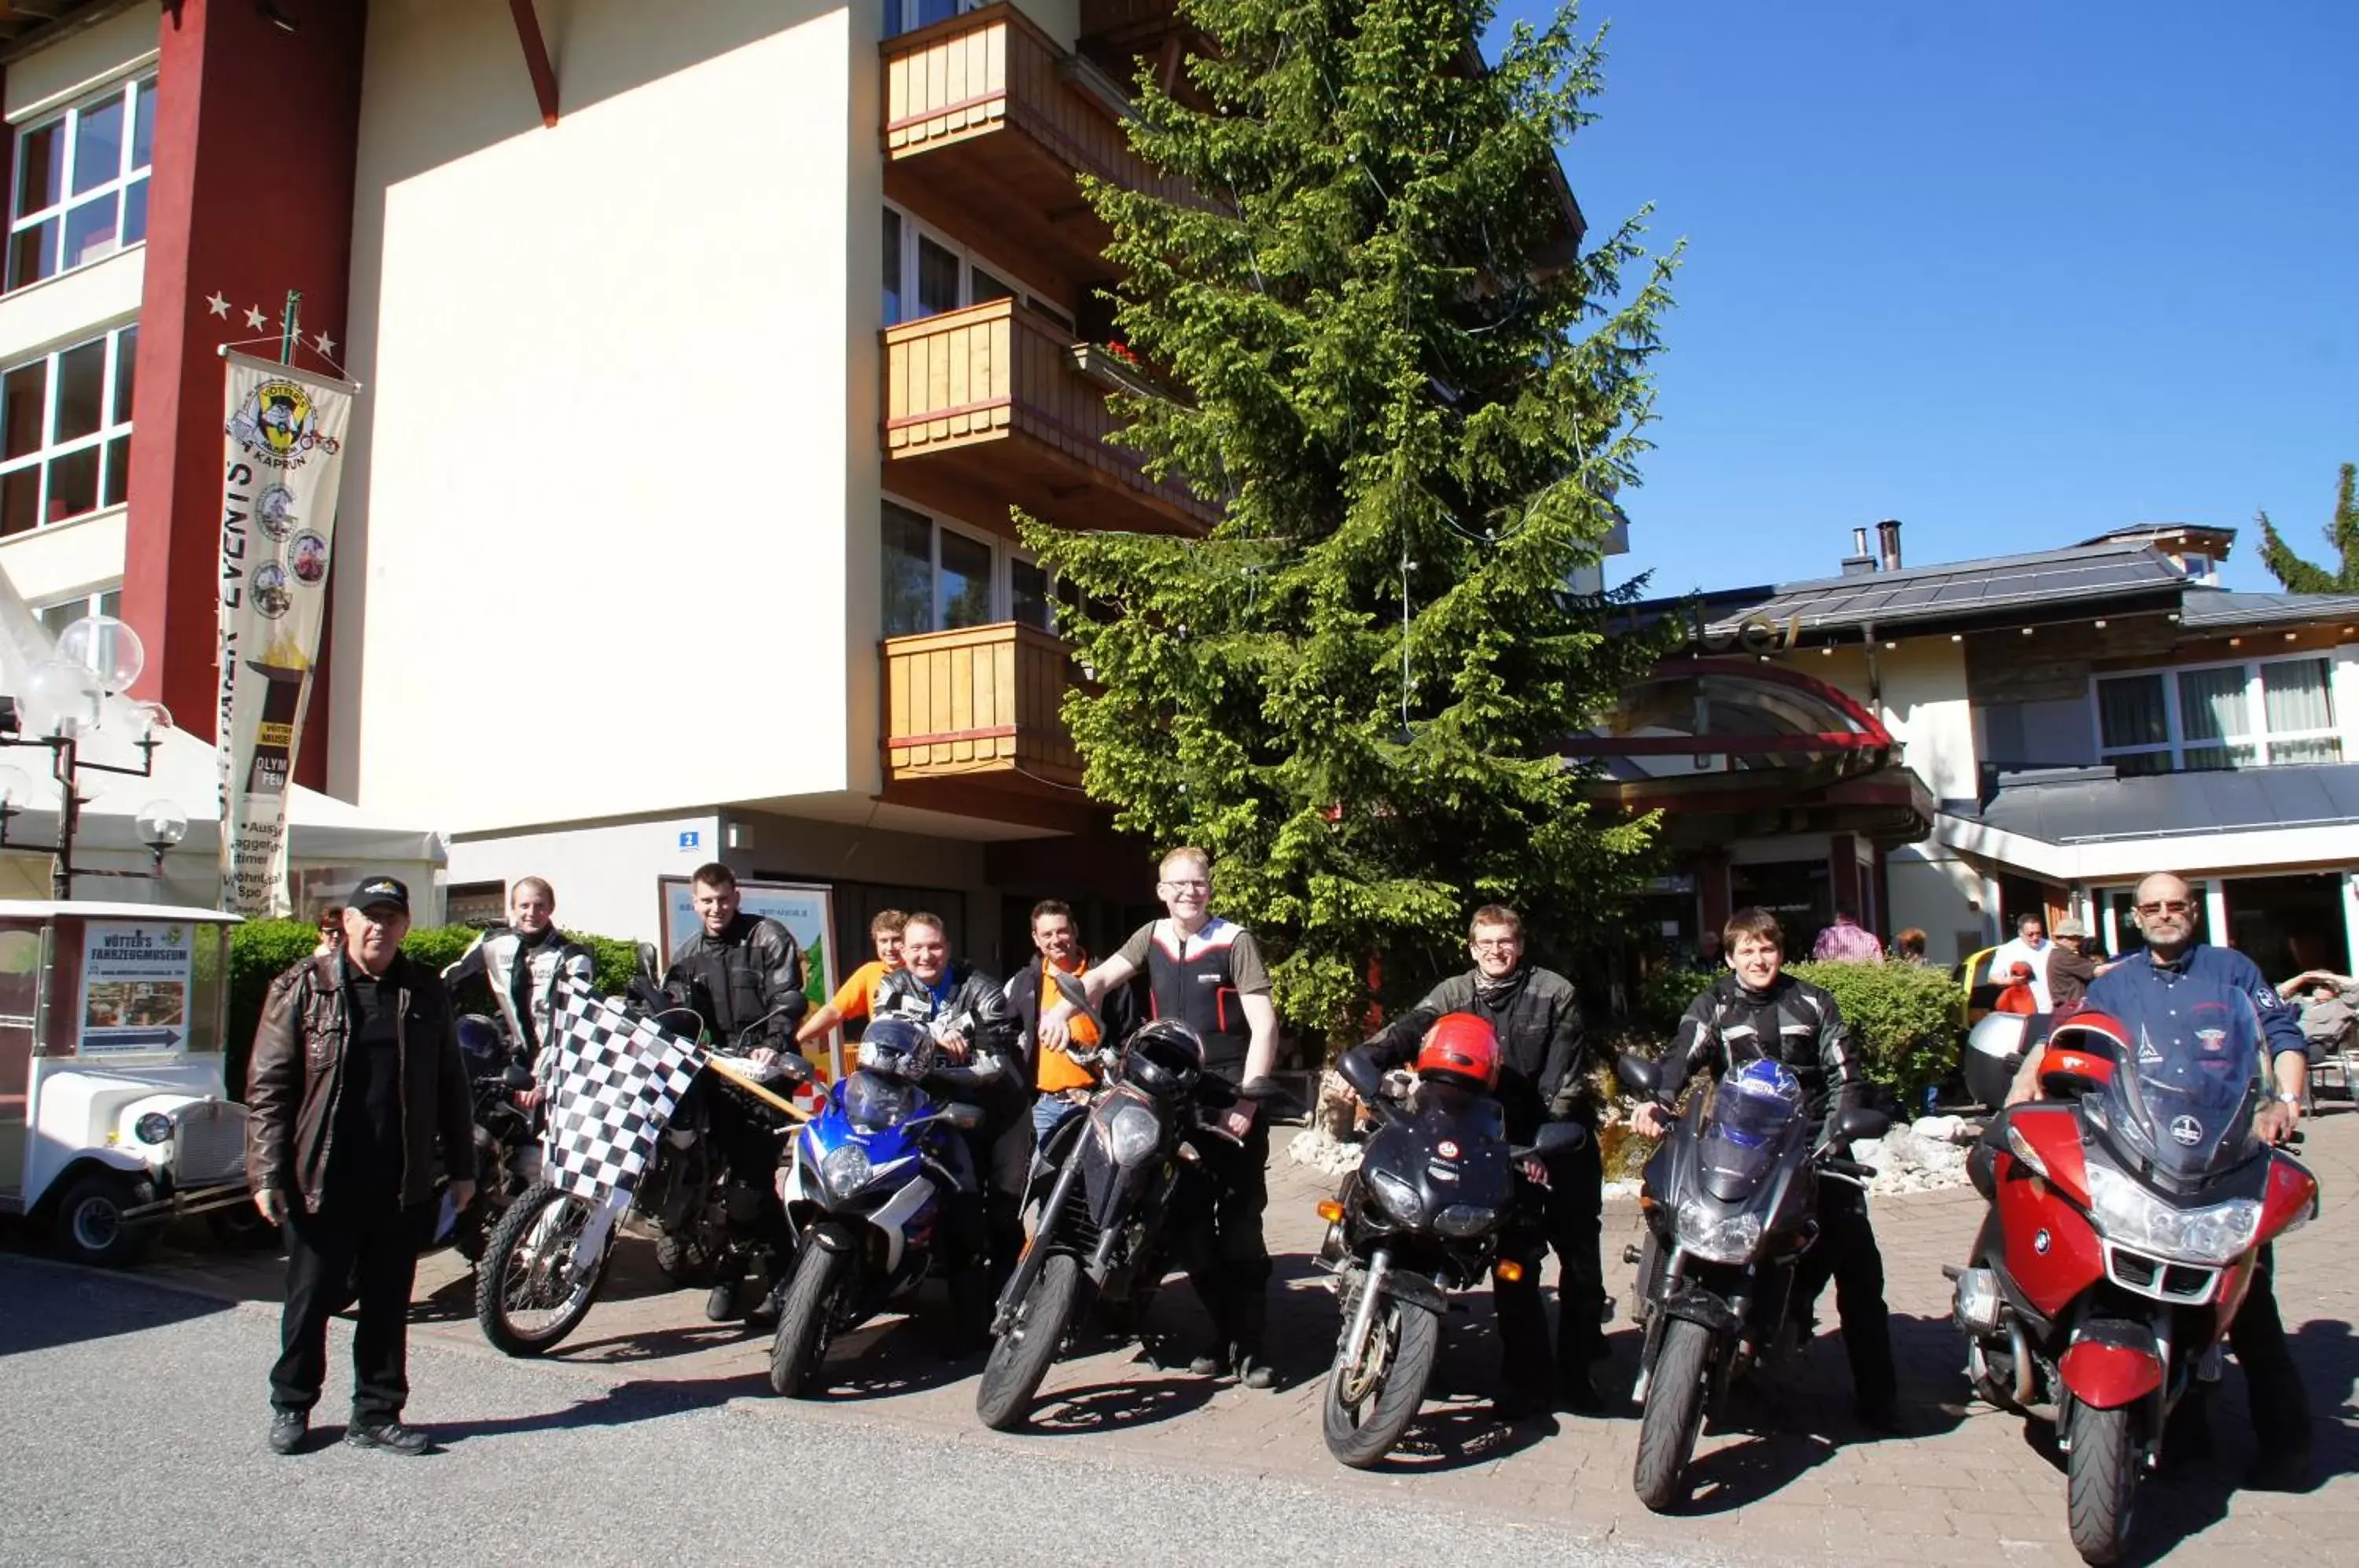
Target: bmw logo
[(2040, 1244), (1447, 1149)]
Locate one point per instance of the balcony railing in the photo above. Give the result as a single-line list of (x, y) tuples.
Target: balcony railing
[(981, 700), (999, 373)]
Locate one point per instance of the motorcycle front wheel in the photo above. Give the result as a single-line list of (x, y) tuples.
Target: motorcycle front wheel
[(2100, 1482), (1667, 1436), (1020, 1358), (805, 1315), (1365, 1411), (530, 1289)]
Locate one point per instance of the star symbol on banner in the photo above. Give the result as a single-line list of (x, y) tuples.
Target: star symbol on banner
[(217, 305), (257, 320), (325, 344)]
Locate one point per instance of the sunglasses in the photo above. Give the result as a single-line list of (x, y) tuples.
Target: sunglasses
[(2167, 906)]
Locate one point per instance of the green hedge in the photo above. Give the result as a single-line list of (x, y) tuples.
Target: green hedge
[(1905, 1017), (261, 951)]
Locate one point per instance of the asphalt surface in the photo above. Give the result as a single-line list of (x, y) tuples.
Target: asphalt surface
[(132, 1418)]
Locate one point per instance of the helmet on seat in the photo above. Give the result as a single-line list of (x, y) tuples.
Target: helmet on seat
[(1460, 1048), (899, 1047), (2082, 1051), (1164, 1057)]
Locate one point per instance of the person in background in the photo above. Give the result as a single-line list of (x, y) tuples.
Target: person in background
[(1064, 1085), (857, 997), (1709, 949), (2070, 968), (1847, 941), (2030, 948), (520, 963), (1909, 947)]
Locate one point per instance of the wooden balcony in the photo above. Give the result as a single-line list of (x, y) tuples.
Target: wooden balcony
[(973, 726), (994, 405), (985, 116)]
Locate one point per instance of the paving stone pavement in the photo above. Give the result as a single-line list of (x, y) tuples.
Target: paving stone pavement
[(1794, 1479)]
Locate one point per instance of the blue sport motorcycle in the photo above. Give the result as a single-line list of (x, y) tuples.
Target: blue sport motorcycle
[(872, 1175)]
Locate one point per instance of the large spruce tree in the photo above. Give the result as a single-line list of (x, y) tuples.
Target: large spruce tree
[(2342, 536), (1417, 398)]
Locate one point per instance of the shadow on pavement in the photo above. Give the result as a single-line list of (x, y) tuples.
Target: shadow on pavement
[(44, 1305), (901, 1357), (1457, 1434), (645, 1400), (1742, 1473), (1118, 1407)]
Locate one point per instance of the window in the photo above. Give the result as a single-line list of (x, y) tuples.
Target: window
[(2220, 716), (57, 616), (909, 15), (81, 183), (937, 577), (65, 431), (927, 273)]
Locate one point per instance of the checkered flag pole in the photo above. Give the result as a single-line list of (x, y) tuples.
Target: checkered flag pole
[(618, 1078)]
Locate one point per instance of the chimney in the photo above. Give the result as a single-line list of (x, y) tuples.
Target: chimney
[(1887, 544), (1858, 564)]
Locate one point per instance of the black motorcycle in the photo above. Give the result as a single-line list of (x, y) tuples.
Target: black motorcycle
[(1730, 1202), (1436, 1190), (507, 1135)]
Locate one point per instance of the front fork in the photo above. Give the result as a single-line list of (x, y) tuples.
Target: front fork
[(1355, 1348), (1034, 1256)]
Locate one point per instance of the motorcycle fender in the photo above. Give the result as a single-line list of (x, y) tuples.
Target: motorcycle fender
[(1404, 1285), (2110, 1365), (893, 1219), (1683, 1300), (831, 1238)]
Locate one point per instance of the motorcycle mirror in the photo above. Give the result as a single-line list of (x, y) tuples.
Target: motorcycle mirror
[(1362, 1072), (1860, 1122), (960, 1116), (1559, 1138), (795, 1069), (643, 962), (518, 1076), (1074, 992), (1638, 1075)]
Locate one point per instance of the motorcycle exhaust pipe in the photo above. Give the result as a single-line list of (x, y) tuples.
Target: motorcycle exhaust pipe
[(1364, 1316), (2021, 1350)]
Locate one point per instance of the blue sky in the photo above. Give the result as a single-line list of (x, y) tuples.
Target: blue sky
[(2012, 272)]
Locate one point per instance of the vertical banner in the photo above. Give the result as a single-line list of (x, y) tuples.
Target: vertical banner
[(281, 458)]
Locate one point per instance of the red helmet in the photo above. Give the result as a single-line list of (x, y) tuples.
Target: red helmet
[(1461, 1049), (2082, 1051)]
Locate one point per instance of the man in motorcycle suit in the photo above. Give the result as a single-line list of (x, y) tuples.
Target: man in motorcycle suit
[(968, 1014), (520, 963), (1756, 1010), (1543, 1077)]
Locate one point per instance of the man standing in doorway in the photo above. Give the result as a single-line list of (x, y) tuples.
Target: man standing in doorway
[(2030, 949), (356, 1092), (1208, 972), (1064, 1083)]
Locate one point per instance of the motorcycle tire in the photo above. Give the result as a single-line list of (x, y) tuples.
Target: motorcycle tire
[(1674, 1415), (1020, 1358), (541, 1227), (805, 1317), (2100, 1482), (1362, 1421), (683, 1259)]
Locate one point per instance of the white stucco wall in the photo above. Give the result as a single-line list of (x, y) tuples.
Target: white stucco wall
[(615, 418), (1919, 693), (604, 874), (49, 79), (1932, 888)]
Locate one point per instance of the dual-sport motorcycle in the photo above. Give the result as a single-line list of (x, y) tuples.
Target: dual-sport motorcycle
[(1730, 1202), (874, 1171), (2129, 1209), (508, 1134), (1437, 1190), (547, 1259)]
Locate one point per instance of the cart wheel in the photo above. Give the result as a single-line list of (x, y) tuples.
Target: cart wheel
[(91, 1227)]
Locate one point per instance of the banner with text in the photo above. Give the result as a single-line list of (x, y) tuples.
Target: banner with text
[(281, 458)]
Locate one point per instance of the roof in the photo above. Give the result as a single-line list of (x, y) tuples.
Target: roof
[(2217, 607), (103, 909), (1966, 589), (2088, 805), (20, 20)]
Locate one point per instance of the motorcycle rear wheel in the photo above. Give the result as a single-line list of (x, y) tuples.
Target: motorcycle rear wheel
[(2101, 1477), (1363, 1417), (804, 1316), (529, 1290), (683, 1259), (1021, 1357), (1675, 1398)]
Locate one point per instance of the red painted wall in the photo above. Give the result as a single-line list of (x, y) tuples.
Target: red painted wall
[(251, 195)]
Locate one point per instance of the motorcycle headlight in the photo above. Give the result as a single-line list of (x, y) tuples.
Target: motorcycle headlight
[(2131, 1216), (1398, 1197), (1718, 1237), (845, 1170), (153, 1127), (1129, 1133), (1466, 1220)]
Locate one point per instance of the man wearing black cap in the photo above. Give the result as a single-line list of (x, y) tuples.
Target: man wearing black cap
[(355, 1094)]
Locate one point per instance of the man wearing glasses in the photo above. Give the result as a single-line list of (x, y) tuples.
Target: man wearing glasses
[(2174, 974), (1543, 1077), (1208, 972)]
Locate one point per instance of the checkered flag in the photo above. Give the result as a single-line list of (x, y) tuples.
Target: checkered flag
[(618, 1077)]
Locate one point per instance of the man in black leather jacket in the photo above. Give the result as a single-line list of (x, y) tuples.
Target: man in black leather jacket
[(1756, 1010), (967, 1011), (1543, 1077), (744, 968)]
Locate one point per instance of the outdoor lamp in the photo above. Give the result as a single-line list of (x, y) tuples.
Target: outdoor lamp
[(61, 699), (16, 795), (161, 825), (107, 647)]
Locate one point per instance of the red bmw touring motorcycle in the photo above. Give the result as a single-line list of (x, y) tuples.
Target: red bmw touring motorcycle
[(2128, 1211)]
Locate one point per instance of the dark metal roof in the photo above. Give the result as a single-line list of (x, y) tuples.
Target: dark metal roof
[(2089, 805), (2006, 584), (2215, 607)]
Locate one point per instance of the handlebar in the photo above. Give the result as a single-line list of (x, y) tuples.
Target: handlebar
[(1851, 1168)]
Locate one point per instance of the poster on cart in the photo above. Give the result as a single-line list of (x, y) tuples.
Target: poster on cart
[(135, 986)]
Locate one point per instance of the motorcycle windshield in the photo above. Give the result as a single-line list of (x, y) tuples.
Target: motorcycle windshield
[(1756, 1112), (873, 1102), (1459, 1116), (2183, 1099)]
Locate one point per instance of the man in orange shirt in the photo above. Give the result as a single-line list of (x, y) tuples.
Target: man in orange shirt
[(1064, 1083), (853, 997)]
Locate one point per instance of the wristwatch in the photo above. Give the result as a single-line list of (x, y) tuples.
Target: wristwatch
[(2286, 1099)]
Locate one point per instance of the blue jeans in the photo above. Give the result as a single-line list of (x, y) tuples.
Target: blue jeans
[(1049, 1114)]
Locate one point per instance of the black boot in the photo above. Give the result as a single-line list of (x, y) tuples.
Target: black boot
[(1249, 1317), (721, 1303)]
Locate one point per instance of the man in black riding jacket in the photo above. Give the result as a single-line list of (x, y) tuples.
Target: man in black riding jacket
[(1756, 1010), (743, 968), (521, 962), (967, 1011), (1543, 1077)]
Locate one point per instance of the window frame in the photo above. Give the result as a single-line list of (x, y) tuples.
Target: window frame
[(106, 599), (913, 229), (904, 16), (127, 91), (52, 448), (2257, 735), (1004, 554)]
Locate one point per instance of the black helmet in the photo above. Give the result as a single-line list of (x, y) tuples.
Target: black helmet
[(1164, 1058), (899, 1047), (482, 1045)]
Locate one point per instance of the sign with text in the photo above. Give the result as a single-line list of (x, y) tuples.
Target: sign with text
[(135, 986)]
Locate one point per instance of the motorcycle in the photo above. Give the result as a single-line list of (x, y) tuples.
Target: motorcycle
[(1436, 1190), (2129, 1209), (1730, 1202), (507, 1137), (872, 1171)]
